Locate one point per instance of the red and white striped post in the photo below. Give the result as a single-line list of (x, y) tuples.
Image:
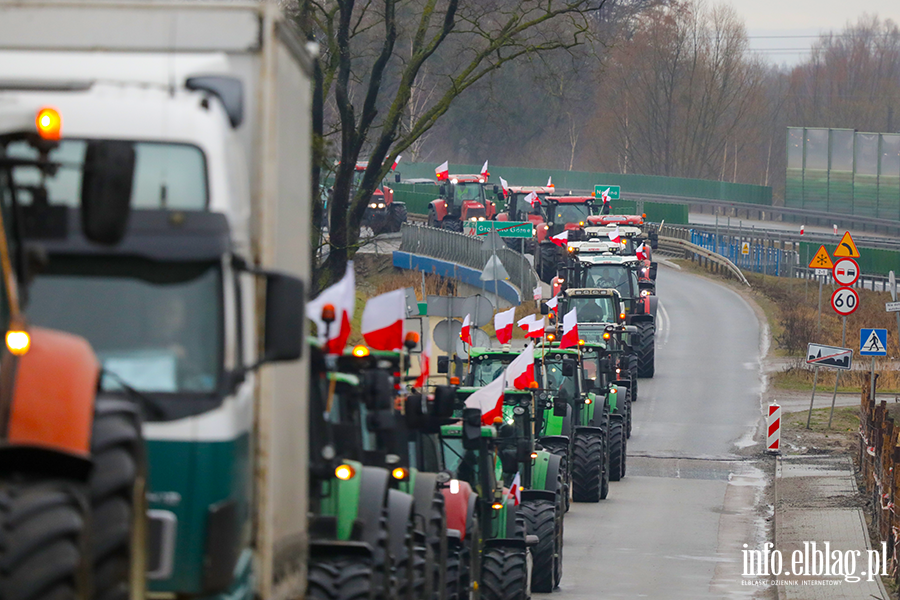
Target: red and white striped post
[(773, 428)]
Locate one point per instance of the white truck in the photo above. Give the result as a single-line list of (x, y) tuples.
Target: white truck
[(215, 99)]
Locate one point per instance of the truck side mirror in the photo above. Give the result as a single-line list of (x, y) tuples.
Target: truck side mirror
[(443, 364), (106, 190), (284, 318), (545, 310)]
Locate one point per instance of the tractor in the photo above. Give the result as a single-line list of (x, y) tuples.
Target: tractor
[(560, 213), (383, 214), (461, 198), (634, 231), (517, 209)]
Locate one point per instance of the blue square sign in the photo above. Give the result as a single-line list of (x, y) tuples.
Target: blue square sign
[(873, 342)]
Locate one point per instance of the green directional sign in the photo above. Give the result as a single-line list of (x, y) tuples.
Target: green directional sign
[(614, 191), (510, 229)]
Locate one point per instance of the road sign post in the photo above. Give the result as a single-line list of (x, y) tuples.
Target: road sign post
[(893, 281), (834, 357), (820, 261), (872, 342), (813, 398)]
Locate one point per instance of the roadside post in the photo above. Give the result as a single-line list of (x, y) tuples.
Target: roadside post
[(773, 429), (893, 306), (845, 272), (872, 342), (821, 262), (833, 357)]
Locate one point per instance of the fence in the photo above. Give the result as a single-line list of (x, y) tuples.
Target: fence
[(755, 255), (468, 251), (877, 455)]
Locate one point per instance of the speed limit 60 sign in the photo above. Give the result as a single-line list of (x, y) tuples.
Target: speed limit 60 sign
[(844, 300)]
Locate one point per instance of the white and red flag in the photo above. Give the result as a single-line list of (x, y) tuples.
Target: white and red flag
[(561, 239), (532, 198), (641, 253), (553, 303), (503, 325), (615, 236), (465, 333), (520, 372), (424, 366), (489, 400), (396, 162), (443, 171), (550, 181), (484, 171), (802, 227), (604, 195), (505, 185), (569, 337), (342, 296), (515, 490), (532, 325), (538, 292), (382, 320)]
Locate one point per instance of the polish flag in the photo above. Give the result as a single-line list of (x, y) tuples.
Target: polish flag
[(466, 334), (489, 400), (342, 296), (396, 162), (553, 303), (520, 372), (503, 325), (561, 239), (443, 171), (532, 325), (424, 366), (505, 186), (538, 292), (550, 181), (802, 228), (532, 199), (515, 490), (484, 171), (570, 330), (640, 252), (382, 320), (604, 195), (614, 236)]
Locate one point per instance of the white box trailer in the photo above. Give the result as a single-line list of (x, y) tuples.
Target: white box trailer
[(135, 71)]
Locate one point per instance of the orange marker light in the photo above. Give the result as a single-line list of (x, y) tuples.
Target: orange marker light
[(621, 316), (497, 505), (18, 342), (328, 313), (498, 420), (454, 381), (606, 335), (360, 351), (48, 123), (344, 472), (534, 455), (581, 342), (400, 473)]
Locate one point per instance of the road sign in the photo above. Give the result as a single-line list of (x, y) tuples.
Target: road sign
[(892, 306), (822, 272), (821, 260), (845, 271), (873, 342), (614, 191), (510, 229), (844, 301), (835, 357), (846, 248), (745, 248)]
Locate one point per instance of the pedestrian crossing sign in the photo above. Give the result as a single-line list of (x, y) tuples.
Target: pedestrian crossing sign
[(873, 342)]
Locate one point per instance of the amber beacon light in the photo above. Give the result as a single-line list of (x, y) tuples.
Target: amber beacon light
[(49, 123)]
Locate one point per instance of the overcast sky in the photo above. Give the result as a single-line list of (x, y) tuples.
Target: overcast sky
[(801, 19)]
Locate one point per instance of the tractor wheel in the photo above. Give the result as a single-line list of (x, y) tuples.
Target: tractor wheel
[(561, 449), (453, 585), (410, 566), (436, 552), (547, 260), (451, 224), (628, 413), (432, 219), (503, 573), (397, 216), (646, 350), (43, 541), (616, 450), (588, 472), (118, 500), (560, 521), (339, 578), (540, 520), (469, 562)]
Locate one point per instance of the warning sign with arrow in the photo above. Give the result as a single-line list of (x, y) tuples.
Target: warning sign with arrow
[(821, 260), (847, 247), (873, 342)]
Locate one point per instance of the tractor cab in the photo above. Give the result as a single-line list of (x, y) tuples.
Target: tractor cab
[(462, 198)]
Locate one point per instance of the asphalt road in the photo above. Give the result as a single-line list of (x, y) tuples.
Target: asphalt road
[(674, 527)]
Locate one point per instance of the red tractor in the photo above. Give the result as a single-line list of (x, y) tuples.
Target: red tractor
[(382, 213), (462, 198), (560, 213)]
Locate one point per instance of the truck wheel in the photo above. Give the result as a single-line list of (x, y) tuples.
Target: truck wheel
[(547, 262), (397, 216), (561, 449), (588, 473), (118, 500), (646, 350), (540, 520), (451, 224), (339, 578), (42, 540), (616, 450), (503, 573)]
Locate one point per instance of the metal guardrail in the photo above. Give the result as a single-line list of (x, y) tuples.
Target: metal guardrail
[(707, 258), (467, 251)]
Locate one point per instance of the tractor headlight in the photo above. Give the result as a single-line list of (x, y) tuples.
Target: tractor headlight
[(373, 205), (381, 205)]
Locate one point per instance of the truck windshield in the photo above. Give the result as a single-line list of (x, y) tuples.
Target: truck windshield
[(155, 326), (469, 191), (596, 309), (570, 213), (165, 175), (617, 277), (487, 369)]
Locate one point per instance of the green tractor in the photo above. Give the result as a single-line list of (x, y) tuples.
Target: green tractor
[(493, 558), (376, 526), (603, 377)]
